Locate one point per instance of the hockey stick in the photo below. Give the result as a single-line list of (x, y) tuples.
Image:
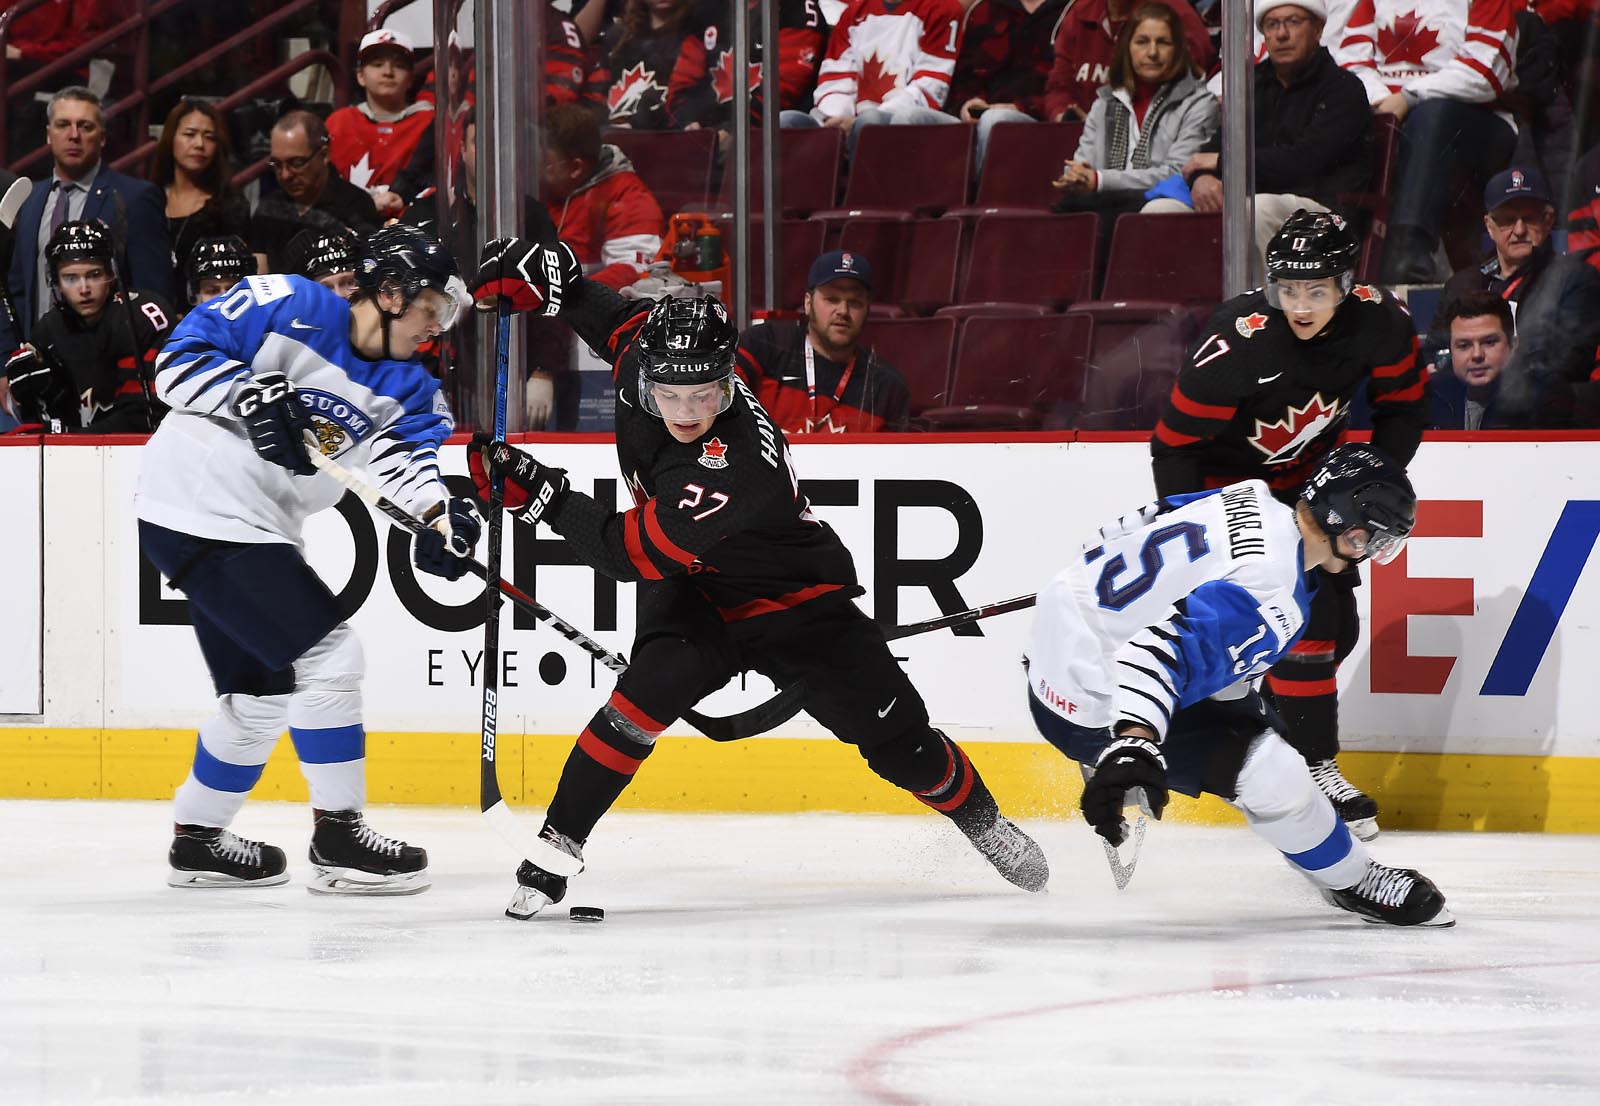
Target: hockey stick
[(758, 719), (490, 801), (961, 618), (1124, 858)]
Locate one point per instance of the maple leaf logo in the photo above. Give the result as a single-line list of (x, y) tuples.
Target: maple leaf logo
[(876, 81), (1367, 292), (712, 454), (1285, 440), (1406, 41), (722, 77), (630, 89), (361, 172), (1249, 324)]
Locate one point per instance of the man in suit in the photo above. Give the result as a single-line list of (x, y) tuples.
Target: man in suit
[(82, 188)]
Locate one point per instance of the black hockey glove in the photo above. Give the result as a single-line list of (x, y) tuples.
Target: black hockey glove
[(1128, 762), (527, 275), (39, 392), (443, 548), (275, 420), (532, 490)]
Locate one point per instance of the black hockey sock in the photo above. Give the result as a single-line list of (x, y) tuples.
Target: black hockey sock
[(601, 765), (1304, 688), (937, 772)]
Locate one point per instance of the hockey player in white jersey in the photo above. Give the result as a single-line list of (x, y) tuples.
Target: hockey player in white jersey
[(1147, 650), (224, 490)]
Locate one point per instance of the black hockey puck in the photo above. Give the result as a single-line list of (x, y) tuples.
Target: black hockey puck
[(586, 914)]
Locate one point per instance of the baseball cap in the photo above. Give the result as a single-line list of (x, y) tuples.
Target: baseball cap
[(838, 265), (1515, 184), (383, 36)]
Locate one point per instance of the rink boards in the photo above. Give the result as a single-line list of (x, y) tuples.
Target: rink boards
[(1472, 701)]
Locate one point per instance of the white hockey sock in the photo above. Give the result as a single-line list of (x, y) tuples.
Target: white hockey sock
[(1283, 805), (325, 721), (232, 749)]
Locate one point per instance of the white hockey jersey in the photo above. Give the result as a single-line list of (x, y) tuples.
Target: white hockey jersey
[(1170, 605), (199, 474), (1456, 49), (888, 54)]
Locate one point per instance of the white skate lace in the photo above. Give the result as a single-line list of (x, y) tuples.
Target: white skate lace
[(1003, 843), (1385, 886), (370, 838), (559, 840), (240, 850), (1332, 783)]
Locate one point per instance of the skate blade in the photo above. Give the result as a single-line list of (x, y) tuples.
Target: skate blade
[(1364, 829), (526, 902), (353, 881), (1442, 920), (212, 880), (1125, 856)]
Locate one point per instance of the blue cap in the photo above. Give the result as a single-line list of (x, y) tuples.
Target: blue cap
[(1515, 184), (839, 265)]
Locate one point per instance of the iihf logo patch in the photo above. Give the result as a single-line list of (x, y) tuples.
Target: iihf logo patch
[(712, 454)]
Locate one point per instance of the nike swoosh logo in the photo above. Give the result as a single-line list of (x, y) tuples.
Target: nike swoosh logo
[(1267, 379), (884, 713), (296, 324)]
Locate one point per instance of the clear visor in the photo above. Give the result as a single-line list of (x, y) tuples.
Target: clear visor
[(1319, 294), (458, 299), (1377, 545), (686, 402)]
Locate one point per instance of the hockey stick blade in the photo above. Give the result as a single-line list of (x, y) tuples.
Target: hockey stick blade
[(1125, 857), (758, 719)]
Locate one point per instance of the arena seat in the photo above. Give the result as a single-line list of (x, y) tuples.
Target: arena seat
[(922, 350), (676, 165), (1006, 366), (1021, 257)]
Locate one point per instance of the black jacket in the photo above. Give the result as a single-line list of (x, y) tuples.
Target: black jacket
[(1311, 137), (1548, 384)]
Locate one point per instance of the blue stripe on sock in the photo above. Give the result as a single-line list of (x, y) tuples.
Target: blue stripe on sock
[(219, 775), (1334, 848), (334, 745)]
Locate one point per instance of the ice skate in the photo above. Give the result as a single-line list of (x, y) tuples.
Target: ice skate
[(205, 856), (1355, 808), (1014, 854), (349, 857), (538, 887), (1393, 896)]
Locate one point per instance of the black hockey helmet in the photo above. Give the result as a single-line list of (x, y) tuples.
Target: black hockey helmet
[(1359, 487), (80, 240), (1312, 245), (226, 257), (316, 253), (687, 341), (411, 260)]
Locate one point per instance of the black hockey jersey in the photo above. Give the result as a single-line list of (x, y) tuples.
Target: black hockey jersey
[(1255, 402), (701, 90), (104, 367), (725, 509), (633, 73)]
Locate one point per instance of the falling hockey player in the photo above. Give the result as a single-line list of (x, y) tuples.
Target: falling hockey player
[(1266, 395), (1147, 650), (735, 572), (224, 490)]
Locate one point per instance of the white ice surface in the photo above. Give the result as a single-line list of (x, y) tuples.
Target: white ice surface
[(789, 960)]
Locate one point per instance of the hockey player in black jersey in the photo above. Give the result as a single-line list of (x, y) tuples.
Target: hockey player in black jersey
[(88, 363), (1267, 395), (735, 572)]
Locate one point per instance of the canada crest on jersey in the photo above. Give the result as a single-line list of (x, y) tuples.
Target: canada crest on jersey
[(1247, 325), (1367, 293), (1286, 439), (714, 455), (722, 77), (629, 90)]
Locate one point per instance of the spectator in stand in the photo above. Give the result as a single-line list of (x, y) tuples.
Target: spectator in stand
[(887, 62), (1147, 122), (598, 203), (215, 265), (1482, 334), (88, 363), (1086, 44), (700, 93), (41, 35), (816, 376), (636, 56), (1311, 122), (81, 187), (1442, 69), (327, 257), (371, 143), (194, 167), (1556, 299), (1004, 63), (310, 193), (1583, 217)]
